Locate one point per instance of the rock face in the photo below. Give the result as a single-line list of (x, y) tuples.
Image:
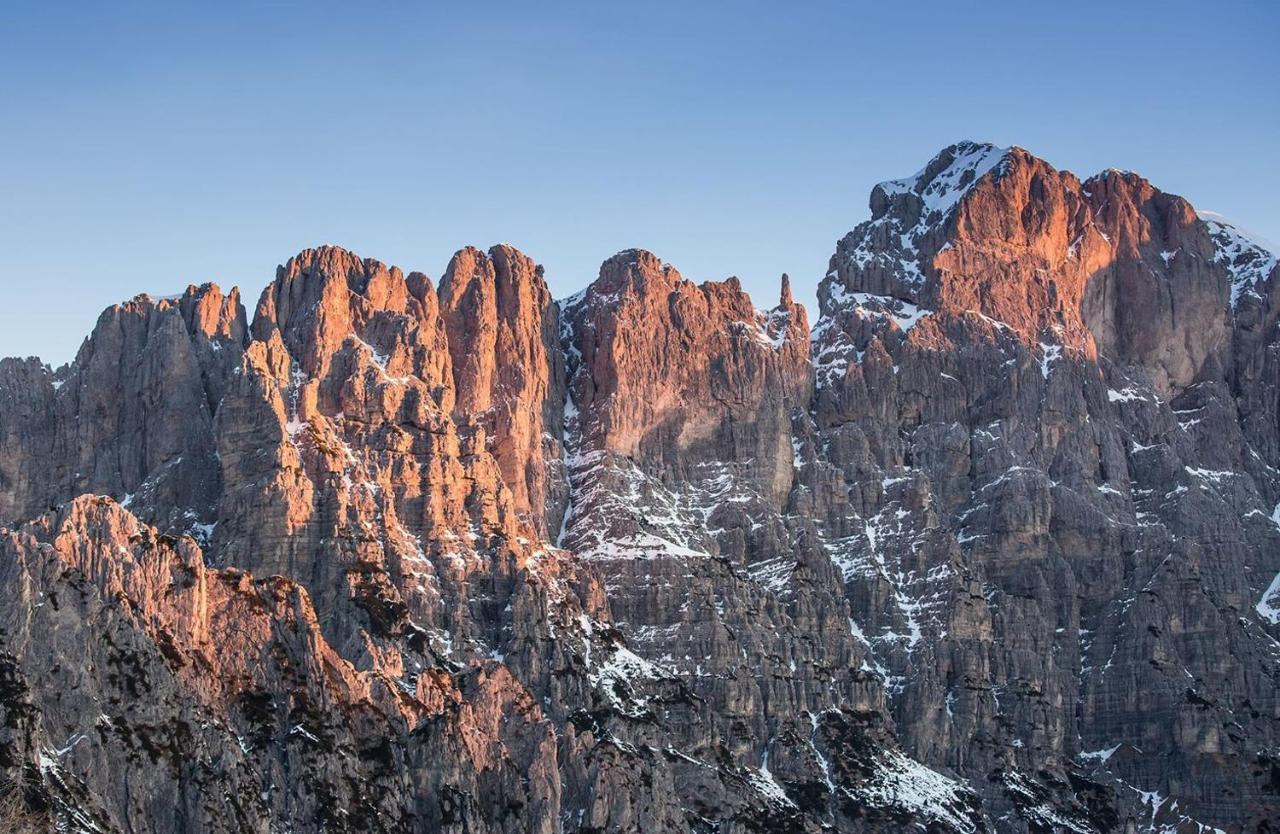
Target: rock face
[(504, 333), (995, 547), (131, 417)]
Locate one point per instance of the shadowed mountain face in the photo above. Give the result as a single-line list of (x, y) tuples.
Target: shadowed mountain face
[(994, 547)]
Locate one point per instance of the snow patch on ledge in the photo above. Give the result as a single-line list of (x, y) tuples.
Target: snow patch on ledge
[(1268, 607), (1048, 355), (1099, 756), (905, 784), (905, 314), (870, 306), (1249, 258), (890, 241), (1127, 394), (941, 193)]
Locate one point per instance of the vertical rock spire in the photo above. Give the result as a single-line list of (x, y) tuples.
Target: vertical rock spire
[(508, 369)]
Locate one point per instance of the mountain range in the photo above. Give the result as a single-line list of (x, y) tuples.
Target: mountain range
[(992, 546)]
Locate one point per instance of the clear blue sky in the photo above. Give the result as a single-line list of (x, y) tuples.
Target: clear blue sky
[(147, 146)]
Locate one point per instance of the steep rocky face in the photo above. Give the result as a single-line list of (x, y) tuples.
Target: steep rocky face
[(212, 702), (676, 373), (326, 303), (508, 370), (132, 416), (1045, 383), (995, 547), (682, 399), (1110, 263)]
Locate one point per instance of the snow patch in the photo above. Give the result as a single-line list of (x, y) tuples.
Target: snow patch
[(1048, 355), (1128, 394), (889, 242), (905, 784), (1268, 607), (904, 313), (940, 194), (1248, 257), (1100, 756)]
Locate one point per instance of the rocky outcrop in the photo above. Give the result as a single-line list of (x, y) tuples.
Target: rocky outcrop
[(677, 373), (1062, 437), (509, 372), (212, 701), (1110, 264), (132, 416), (995, 547)]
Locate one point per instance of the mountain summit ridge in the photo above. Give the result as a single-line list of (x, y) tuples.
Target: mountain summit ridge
[(990, 547)]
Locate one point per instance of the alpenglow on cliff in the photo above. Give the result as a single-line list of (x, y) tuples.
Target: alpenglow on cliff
[(993, 546)]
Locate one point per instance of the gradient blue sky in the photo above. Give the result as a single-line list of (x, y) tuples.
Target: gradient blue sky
[(147, 146)]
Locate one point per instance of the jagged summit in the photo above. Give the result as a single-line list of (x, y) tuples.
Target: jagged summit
[(1250, 259), (996, 548), (1112, 265), (908, 221), (941, 183)]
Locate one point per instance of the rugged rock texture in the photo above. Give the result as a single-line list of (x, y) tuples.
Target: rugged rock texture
[(131, 417), (504, 337), (996, 547), (1057, 402)]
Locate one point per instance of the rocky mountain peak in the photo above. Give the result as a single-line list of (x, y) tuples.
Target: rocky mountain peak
[(508, 370), (1111, 265), (215, 315), (890, 253), (933, 191), (329, 305), (632, 271), (995, 548), (1250, 260)]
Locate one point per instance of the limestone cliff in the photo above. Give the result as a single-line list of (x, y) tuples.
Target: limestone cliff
[(994, 547)]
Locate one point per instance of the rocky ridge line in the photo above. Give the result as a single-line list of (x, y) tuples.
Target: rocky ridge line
[(990, 549)]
